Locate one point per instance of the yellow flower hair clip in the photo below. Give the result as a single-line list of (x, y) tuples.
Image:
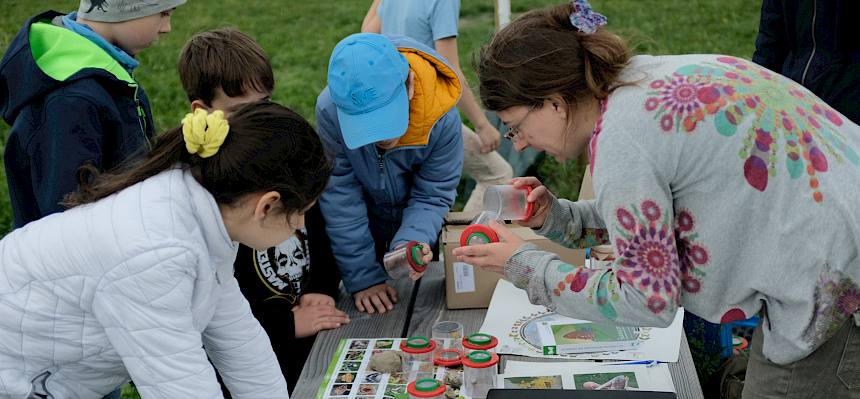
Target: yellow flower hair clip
[(204, 132)]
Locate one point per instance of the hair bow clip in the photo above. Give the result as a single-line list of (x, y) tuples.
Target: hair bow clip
[(584, 18)]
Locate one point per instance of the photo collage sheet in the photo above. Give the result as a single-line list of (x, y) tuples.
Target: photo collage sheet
[(349, 375)]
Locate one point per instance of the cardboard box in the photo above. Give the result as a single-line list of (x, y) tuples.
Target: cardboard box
[(467, 286)]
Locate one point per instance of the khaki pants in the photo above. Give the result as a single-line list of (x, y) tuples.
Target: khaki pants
[(487, 169), (831, 372)]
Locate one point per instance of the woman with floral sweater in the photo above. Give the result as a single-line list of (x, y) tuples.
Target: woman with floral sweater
[(723, 187)]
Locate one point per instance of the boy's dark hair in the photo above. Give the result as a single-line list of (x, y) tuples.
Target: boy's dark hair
[(268, 148), (225, 58), (541, 54)]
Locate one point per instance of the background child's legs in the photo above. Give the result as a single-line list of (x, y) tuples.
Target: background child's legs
[(487, 169), (831, 372)]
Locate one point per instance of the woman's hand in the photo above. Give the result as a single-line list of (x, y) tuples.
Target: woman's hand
[(492, 256), (540, 196)]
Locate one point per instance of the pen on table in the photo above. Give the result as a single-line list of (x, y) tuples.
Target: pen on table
[(647, 363)]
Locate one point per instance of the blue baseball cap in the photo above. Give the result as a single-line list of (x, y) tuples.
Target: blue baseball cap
[(367, 81)]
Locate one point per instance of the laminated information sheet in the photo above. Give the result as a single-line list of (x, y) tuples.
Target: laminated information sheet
[(517, 324)]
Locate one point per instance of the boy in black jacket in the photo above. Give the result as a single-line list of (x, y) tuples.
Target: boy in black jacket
[(291, 287), (68, 92)]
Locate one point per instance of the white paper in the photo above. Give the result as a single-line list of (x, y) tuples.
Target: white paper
[(573, 373), (464, 277), (514, 321)]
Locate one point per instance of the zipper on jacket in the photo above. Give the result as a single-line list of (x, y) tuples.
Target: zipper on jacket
[(809, 62), (141, 118), (383, 177), (380, 163)]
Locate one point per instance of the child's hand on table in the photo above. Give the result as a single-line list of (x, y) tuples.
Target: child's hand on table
[(378, 298), (311, 319), (316, 299)]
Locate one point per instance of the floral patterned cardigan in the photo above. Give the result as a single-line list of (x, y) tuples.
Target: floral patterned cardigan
[(724, 188)]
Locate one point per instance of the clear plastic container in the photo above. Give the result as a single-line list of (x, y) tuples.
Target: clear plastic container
[(426, 388), (448, 358), (480, 373), (479, 342), (509, 202), (479, 231), (399, 262), (448, 335), (416, 350)]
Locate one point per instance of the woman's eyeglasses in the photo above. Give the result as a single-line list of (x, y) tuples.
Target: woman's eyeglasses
[(514, 130)]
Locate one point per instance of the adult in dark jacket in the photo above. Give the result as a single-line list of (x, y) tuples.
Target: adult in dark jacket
[(817, 44), (68, 93)]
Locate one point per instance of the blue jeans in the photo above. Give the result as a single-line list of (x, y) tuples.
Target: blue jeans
[(117, 394)]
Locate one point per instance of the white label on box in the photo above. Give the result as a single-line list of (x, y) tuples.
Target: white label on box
[(464, 277)]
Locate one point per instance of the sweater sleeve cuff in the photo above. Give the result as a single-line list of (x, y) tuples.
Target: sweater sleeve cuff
[(525, 269), (557, 220)]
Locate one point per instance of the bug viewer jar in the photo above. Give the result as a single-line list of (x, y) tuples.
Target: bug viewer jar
[(399, 262), (509, 202), (479, 342), (479, 231), (417, 350), (480, 373), (426, 388)]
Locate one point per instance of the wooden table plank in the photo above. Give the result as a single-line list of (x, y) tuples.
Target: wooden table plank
[(362, 325), (430, 308)]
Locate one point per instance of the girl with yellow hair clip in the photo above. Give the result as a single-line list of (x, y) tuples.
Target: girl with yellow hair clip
[(137, 278)]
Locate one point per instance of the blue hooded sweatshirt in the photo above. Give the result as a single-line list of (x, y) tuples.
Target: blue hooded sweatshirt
[(376, 201), (68, 102)]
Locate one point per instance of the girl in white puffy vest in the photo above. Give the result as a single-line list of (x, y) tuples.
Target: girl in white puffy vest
[(137, 277)]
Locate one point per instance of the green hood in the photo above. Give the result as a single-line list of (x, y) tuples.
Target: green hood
[(61, 53)]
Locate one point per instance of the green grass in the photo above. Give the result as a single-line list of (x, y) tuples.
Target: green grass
[(300, 34)]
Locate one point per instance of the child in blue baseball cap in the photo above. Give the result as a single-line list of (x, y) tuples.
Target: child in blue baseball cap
[(389, 121)]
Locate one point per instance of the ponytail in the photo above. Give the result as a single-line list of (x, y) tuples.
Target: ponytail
[(268, 147), (167, 152)]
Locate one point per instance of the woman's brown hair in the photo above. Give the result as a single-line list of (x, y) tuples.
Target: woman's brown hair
[(268, 148), (540, 54)]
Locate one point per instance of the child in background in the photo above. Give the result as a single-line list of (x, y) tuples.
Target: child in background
[(387, 117), (70, 97), (291, 287), (137, 277), (434, 24)]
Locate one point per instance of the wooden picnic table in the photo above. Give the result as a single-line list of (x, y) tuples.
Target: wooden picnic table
[(421, 305)]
